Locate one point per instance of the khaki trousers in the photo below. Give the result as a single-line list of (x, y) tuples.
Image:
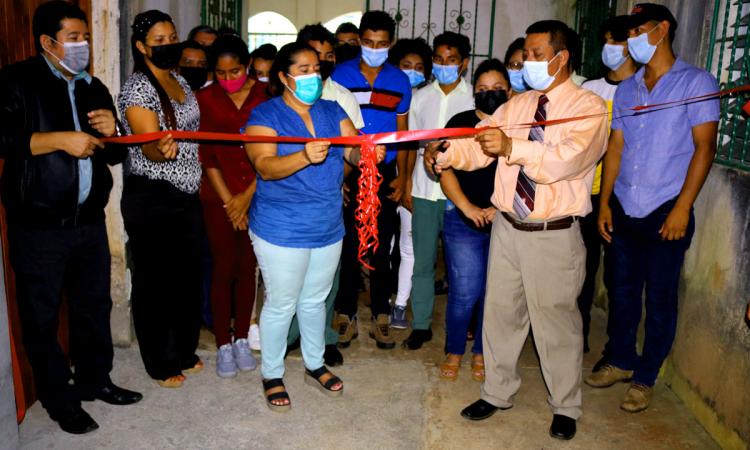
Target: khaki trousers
[(534, 278)]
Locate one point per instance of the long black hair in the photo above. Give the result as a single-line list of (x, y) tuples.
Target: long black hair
[(141, 26), (284, 60)]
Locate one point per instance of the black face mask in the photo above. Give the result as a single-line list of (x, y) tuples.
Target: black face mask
[(195, 76), (326, 69), (346, 52), (489, 101), (166, 56)]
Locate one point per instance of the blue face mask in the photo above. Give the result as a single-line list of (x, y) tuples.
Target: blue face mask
[(374, 57), (309, 88), (415, 77), (612, 56), (516, 80), (445, 74), (640, 49)]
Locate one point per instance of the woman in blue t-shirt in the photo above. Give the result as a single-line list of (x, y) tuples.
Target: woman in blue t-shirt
[(295, 218)]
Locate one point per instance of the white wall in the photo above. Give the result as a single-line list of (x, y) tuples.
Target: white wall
[(300, 12), (8, 426), (512, 17)]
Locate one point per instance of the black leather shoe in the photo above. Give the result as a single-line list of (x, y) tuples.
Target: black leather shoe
[(480, 410), (563, 427), (333, 356), (76, 421), (111, 394), (417, 338)]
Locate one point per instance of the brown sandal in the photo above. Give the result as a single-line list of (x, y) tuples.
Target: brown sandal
[(171, 382), (196, 368), (477, 368), (449, 368)]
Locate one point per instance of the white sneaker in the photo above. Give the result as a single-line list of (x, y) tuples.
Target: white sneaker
[(254, 337)]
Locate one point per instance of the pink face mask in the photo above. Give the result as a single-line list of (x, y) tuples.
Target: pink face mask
[(232, 86)]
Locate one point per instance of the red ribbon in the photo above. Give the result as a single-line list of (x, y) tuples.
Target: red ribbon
[(368, 207)]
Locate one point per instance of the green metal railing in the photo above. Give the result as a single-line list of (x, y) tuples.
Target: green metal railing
[(590, 14), (461, 16), (729, 60), (222, 13)]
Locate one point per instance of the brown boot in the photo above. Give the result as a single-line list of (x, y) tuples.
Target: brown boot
[(347, 330), (607, 376), (381, 332), (637, 398)]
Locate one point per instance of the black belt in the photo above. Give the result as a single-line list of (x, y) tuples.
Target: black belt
[(557, 224)]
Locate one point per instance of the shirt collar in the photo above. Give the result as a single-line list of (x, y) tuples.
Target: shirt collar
[(79, 76), (678, 65), (560, 92), (461, 88)]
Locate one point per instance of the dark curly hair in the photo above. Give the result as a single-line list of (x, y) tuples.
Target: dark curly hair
[(417, 46)]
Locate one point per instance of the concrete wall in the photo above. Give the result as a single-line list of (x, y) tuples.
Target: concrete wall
[(8, 425)]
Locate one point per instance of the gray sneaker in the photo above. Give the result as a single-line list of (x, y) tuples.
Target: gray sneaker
[(225, 365), (398, 318), (243, 357)]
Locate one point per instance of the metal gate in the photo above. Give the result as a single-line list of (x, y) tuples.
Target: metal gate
[(729, 61), (590, 14), (428, 18), (222, 13)]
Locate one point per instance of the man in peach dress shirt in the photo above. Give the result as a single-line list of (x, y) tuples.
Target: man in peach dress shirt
[(537, 257)]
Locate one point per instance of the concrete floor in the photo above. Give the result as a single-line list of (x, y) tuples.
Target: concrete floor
[(393, 400)]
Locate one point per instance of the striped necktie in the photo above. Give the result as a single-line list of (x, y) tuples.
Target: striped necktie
[(523, 199)]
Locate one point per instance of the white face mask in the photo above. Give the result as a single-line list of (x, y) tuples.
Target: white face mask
[(536, 73), (76, 57)]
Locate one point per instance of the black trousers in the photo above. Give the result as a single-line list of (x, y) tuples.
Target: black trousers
[(47, 263), (165, 232), (593, 242), (381, 285)]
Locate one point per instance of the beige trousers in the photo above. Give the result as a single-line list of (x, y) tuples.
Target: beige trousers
[(534, 278)]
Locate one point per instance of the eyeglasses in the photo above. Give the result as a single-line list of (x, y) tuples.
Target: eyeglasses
[(518, 65)]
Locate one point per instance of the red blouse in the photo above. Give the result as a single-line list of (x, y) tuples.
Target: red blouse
[(219, 114)]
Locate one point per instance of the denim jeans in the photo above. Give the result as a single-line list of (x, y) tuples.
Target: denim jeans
[(466, 253), (297, 280), (638, 257)]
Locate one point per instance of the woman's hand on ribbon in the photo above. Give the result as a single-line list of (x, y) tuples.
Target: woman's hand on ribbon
[(494, 142), (316, 151), (166, 149)]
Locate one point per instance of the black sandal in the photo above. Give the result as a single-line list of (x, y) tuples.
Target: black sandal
[(283, 395), (312, 377)]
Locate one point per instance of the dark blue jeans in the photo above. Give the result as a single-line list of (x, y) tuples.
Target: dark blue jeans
[(466, 253), (638, 257)]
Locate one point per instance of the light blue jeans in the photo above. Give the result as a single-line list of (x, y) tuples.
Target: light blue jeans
[(297, 280)]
